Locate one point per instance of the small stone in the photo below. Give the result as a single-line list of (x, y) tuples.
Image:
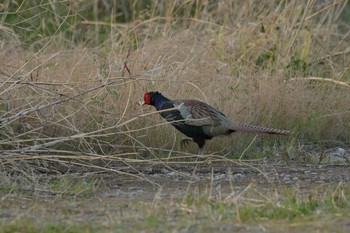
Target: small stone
[(171, 174), (238, 176), (340, 152), (164, 171)]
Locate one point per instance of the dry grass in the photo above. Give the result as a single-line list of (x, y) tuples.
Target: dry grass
[(199, 209), (278, 63)]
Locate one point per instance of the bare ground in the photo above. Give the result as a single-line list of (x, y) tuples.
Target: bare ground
[(125, 201)]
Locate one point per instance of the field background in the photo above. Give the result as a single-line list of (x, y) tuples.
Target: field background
[(73, 73)]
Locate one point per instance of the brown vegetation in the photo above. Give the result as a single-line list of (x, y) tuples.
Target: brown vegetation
[(72, 76)]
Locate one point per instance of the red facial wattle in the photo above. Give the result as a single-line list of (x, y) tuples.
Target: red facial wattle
[(147, 98)]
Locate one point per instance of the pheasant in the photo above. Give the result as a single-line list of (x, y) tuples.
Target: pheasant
[(198, 120)]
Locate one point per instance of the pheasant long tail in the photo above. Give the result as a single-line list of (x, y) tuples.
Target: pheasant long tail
[(258, 129)]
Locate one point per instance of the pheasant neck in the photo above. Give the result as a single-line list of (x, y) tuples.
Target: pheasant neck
[(159, 101)]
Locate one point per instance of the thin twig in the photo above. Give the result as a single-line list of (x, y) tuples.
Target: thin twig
[(345, 84)]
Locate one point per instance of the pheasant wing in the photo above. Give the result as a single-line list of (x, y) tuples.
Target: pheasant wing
[(197, 113)]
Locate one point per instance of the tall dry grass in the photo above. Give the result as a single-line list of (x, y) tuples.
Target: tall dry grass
[(281, 64)]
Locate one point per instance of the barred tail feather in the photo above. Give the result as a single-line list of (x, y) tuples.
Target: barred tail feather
[(258, 129)]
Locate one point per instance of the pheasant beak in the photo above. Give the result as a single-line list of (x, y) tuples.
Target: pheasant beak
[(142, 103)]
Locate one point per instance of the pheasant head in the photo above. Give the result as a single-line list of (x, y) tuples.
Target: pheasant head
[(154, 98)]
